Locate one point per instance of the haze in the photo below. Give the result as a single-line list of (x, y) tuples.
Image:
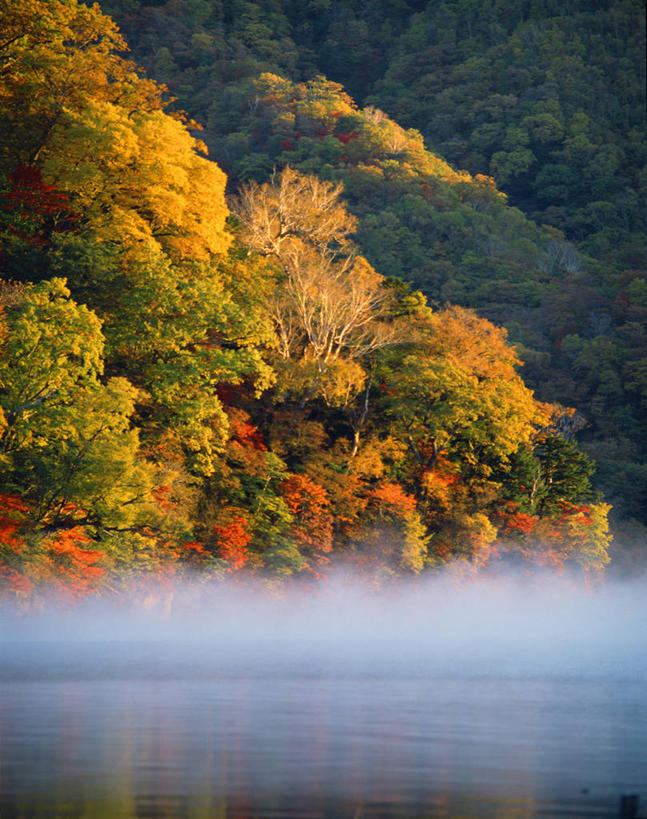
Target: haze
[(498, 626)]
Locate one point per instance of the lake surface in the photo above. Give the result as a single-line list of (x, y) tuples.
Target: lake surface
[(268, 725)]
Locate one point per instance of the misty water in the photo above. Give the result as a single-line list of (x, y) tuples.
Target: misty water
[(510, 697)]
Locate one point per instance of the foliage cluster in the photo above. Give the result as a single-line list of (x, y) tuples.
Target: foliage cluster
[(182, 392)]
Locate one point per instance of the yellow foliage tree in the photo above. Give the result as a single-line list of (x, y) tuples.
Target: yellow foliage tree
[(330, 308), (73, 107)]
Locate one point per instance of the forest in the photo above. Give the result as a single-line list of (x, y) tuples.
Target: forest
[(290, 287)]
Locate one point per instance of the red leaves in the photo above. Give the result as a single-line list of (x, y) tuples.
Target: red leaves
[(520, 522), (243, 431), (195, 546), (12, 511), (12, 503), (249, 435), (382, 387), (346, 138), (233, 539), (71, 564), (227, 393), (35, 210), (299, 489), (192, 551), (552, 540), (309, 503), (61, 560), (30, 196), (390, 498), (513, 522), (11, 521), (162, 495), (571, 510)]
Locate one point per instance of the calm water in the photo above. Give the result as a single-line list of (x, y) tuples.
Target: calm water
[(331, 714), (152, 730)]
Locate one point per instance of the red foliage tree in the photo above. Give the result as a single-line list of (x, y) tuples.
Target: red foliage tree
[(390, 499), (72, 567), (233, 538), (42, 206), (516, 522), (12, 513), (346, 138), (193, 552), (243, 431), (60, 562), (309, 504)]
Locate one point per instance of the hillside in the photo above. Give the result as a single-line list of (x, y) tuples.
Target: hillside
[(290, 377), (545, 98)]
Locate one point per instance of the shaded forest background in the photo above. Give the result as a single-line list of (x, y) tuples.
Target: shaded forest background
[(473, 165), (547, 98)]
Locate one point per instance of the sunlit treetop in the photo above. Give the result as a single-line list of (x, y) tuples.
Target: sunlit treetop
[(55, 56), (72, 106)]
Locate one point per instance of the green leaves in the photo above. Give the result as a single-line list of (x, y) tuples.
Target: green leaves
[(459, 393), (67, 437), (54, 347)]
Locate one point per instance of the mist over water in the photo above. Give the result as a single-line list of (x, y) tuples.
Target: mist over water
[(542, 625), (507, 695)]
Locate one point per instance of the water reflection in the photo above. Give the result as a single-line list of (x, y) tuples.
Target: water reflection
[(169, 736), (503, 698)]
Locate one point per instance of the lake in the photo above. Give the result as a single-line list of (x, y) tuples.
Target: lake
[(318, 720)]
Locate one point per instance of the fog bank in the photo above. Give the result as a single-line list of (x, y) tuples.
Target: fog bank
[(446, 625)]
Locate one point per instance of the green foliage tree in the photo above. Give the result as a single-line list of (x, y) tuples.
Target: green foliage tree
[(68, 443)]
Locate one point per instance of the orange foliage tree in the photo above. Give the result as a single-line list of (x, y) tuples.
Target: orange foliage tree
[(69, 566), (12, 515), (60, 562), (575, 533), (233, 537), (309, 503)]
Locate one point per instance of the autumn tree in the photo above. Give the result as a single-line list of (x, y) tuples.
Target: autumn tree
[(251, 395), (329, 307), (457, 403), (146, 247), (458, 391), (74, 109), (309, 503)]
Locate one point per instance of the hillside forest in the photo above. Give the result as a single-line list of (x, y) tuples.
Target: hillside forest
[(292, 287)]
